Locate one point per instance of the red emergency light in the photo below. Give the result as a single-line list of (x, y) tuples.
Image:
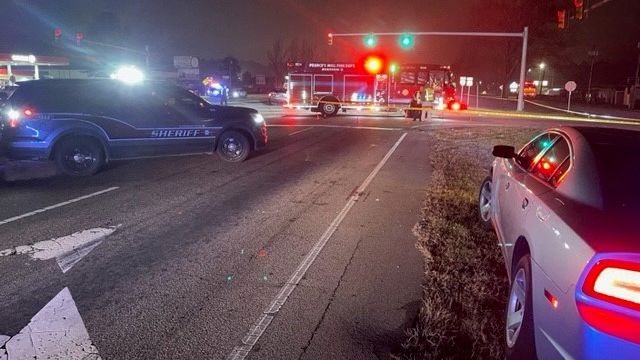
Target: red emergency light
[(373, 64)]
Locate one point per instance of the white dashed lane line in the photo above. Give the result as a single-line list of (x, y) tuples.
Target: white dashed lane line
[(55, 206), (263, 321)]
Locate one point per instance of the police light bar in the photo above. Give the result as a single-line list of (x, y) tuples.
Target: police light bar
[(128, 75)]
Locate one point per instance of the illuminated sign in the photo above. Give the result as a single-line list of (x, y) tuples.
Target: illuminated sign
[(23, 58)]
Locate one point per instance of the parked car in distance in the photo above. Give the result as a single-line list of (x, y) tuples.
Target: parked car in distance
[(566, 210), (277, 97)]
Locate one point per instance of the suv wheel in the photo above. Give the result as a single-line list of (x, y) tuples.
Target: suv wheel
[(519, 315), (233, 146), (79, 156)]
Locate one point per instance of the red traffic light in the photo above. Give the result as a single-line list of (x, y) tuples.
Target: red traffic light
[(373, 65), (57, 32)]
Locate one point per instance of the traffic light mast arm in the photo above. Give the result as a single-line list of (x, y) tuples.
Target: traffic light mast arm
[(524, 35), (429, 33)]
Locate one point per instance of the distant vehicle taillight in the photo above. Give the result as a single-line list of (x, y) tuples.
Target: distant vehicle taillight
[(28, 112), (610, 298)]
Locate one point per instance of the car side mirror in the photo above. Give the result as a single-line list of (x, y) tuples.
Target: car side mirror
[(504, 151)]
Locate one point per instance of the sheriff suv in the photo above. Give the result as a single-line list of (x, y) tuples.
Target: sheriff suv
[(82, 124)]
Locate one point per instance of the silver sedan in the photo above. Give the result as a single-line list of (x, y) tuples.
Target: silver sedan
[(566, 210)]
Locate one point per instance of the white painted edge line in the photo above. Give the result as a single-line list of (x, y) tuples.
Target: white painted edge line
[(299, 131), (336, 126), (51, 207), (582, 113), (260, 326)]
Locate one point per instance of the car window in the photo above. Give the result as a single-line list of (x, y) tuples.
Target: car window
[(528, 155), (189, 107), (552, 160), (558, 175)]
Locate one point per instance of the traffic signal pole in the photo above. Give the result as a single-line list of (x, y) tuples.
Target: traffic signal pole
[(523, 62)]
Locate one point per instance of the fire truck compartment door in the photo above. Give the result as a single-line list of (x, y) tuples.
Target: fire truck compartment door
[(300, 86)]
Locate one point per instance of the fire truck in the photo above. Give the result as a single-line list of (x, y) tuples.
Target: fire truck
[(329, 87)]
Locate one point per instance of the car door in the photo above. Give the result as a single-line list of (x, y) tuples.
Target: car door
[(511, 188), (158, 124), (191, 130)]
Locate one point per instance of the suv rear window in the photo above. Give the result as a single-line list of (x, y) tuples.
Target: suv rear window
[(76, 97)]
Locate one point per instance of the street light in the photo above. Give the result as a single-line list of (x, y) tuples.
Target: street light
[(542, 68)]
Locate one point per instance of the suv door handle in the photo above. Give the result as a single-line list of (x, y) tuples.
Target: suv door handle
[(525, 203)]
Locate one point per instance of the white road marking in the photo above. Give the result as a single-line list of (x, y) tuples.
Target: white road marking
[(55, 332), (337, 126), (51, 207), (299, 131), (259, 327), (67, 250)]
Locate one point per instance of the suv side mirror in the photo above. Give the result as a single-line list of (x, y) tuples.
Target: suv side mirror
[(504, 151)]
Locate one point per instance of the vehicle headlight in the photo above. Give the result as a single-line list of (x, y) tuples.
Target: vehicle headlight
[(257, 118), (236, 94)]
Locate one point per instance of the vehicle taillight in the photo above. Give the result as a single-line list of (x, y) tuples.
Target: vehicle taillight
[(28, 112), (614, 281), (611, 300)]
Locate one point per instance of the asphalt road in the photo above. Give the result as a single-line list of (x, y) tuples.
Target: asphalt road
[(203, 247), (305, 251)]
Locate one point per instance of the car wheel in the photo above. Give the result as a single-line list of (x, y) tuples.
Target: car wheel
[(328, 108), (233, 146), (519, 315), (79, 156), (484, 202)]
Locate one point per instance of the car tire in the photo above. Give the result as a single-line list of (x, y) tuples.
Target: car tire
[(519, 328), (233, 146), (329, 107), (79, 156), (484, 202)]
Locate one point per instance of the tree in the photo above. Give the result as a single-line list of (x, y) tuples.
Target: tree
[(277, 57), (230, 66), (293, 50), (513, 16), (306, 51), (247, 78)]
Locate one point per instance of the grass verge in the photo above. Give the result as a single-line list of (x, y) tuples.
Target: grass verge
[(465, 286)]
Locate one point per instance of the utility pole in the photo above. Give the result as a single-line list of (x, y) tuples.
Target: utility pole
[(632, 105), (592, 54)]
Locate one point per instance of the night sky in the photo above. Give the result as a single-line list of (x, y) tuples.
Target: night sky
[(246, 29)]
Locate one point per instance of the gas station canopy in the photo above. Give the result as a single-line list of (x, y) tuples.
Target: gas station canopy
[(14, 67)]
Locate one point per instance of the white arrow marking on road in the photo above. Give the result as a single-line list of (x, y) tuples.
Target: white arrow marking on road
[(67, 250), (55, 332)]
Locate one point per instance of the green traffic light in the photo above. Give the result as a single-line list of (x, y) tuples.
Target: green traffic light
[(393, 68), (406, 41), (370, 40)]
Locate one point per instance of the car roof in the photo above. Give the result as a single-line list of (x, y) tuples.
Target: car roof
[(614, 136)]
